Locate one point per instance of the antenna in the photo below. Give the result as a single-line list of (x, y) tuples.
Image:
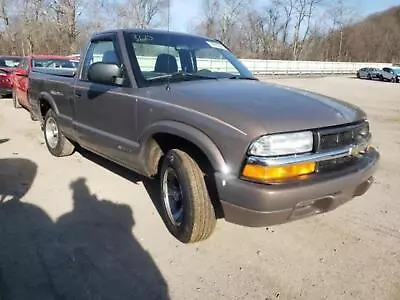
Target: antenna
[(169, 42)]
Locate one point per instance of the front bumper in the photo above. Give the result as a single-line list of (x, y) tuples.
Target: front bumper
[(256, 205)]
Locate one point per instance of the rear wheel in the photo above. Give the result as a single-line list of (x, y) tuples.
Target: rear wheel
[(56, 142), (15, 100), (187, 209)]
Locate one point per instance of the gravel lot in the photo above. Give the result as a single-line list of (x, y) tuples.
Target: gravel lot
[(81, 228)]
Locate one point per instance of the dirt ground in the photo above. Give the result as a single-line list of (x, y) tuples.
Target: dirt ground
[(81, 228)]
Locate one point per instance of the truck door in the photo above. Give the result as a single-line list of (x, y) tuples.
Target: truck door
[(105, 115)]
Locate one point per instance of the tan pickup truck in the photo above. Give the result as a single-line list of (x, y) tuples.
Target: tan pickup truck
[(183, 110)]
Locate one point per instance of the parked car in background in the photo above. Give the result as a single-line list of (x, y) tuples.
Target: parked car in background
[(40, 63), (369, 73), (391, 74), (7, 68)]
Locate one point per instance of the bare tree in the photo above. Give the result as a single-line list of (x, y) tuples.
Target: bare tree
[(142, 13), (211, 10), (304, 12)]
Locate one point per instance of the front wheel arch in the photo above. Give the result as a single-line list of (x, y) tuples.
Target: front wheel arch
[(158, 136)]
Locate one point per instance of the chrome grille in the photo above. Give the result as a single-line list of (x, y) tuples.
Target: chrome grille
[(340, 137)]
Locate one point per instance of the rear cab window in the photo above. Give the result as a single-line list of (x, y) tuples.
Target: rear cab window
[(52, 63)]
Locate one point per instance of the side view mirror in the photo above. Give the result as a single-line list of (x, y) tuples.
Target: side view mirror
[(104, 73)]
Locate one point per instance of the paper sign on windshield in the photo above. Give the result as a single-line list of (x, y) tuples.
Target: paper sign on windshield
[(216, 45)]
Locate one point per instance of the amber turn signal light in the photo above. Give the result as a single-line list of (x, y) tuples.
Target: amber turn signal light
[(274, 173)]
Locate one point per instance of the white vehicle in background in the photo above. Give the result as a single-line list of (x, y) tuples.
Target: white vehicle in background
[(391, 74)]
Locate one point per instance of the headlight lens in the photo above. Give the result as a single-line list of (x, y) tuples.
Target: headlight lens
[(283, 144)]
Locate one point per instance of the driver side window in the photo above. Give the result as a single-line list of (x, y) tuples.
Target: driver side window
[(99, 51)]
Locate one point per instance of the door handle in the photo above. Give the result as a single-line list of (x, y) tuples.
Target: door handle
[(78, 94)]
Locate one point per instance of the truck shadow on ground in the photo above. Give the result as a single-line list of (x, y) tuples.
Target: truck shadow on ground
[(152, 186), (88, 253)]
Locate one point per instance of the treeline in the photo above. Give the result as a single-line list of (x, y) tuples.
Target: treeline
[(327, 30), (276, 29), (63, 26)]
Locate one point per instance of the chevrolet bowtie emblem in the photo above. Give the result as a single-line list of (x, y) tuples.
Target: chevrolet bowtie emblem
[(357, 150)]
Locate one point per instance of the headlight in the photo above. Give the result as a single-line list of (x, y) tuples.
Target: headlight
[(283, 144)]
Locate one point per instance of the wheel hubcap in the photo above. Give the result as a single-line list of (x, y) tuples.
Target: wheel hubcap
[(51, 131), (172, 196)]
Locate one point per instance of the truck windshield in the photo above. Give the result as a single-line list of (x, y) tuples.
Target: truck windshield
[(9, 62), (167, 56)]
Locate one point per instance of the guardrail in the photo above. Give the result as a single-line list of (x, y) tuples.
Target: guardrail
[(274, 67), (287, 67)]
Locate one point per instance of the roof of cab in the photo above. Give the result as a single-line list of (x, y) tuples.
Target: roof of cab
[(149, 31)]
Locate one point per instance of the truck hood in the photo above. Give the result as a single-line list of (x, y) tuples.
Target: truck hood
[(257, 106)]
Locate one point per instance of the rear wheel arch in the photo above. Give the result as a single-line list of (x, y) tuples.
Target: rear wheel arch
[(46, 102)]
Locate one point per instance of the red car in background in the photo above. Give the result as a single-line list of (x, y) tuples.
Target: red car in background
[(8, 65), (21, 74)]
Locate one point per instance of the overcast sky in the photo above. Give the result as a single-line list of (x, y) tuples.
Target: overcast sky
[(185, 12)]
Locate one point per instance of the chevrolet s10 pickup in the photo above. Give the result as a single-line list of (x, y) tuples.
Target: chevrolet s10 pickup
[(183, 110)]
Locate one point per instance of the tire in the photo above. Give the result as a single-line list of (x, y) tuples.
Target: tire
[(369, 77), (394, 79), (182, 175), (15, 100), (358, 75), (60, 145)]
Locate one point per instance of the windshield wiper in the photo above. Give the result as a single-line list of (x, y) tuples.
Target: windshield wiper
[(242, 77), (182, 74)]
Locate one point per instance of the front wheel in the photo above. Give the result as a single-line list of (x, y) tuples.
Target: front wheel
[(57, 144), (187, 209)]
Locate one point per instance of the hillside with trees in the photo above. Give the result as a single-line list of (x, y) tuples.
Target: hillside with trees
[(376, 38), (303, 30), (328, 30)]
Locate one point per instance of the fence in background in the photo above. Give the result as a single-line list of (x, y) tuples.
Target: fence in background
[(287, 67), (274, 67)]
